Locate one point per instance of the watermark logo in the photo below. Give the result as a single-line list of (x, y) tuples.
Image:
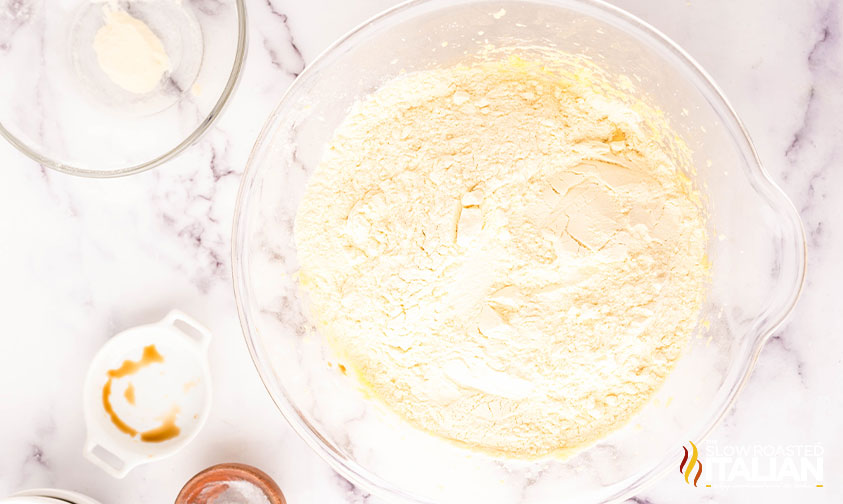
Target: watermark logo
[(686, 467), (753, 465), (764, 465)]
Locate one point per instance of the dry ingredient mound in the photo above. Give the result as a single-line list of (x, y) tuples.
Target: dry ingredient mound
[(501, 256)]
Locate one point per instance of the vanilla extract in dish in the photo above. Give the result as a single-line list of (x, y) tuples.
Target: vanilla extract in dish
[(168, 428)]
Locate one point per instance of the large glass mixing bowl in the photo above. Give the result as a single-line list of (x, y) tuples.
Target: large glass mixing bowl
[(757, 250)]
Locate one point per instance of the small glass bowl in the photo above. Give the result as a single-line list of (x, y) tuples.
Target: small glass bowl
[(756, 248), (211, 482), (62, 110)]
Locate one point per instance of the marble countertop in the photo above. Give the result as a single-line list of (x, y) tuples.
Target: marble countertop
[(83, 259)]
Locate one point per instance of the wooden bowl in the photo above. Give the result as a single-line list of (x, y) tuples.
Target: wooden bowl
[(208, 484)]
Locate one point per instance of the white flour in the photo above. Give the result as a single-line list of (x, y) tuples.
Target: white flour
[(501, 257), (129, 52)]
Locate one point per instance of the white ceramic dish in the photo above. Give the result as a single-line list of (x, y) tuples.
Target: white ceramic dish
[(181, 383), (51, 496)]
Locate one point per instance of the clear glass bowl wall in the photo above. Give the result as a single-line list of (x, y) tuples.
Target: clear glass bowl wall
[(757, 250)]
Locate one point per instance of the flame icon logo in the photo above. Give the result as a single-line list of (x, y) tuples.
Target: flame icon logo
[(687, 466)]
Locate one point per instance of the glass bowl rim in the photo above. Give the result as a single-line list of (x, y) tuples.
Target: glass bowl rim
[(201, 128), (641, 30)]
